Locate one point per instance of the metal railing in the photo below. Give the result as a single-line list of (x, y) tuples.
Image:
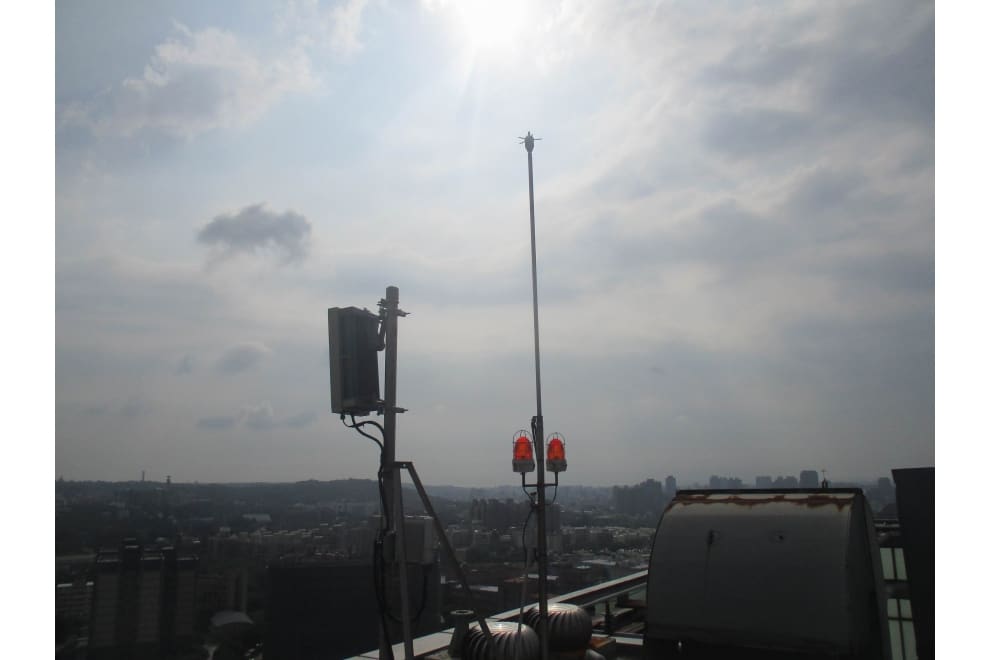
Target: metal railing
[(586, 597)]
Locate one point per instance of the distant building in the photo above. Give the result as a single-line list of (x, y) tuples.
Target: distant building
[(765, 481), (885, 487), (809, 479), (500, 515), (73, 601), (143, 603), (716, 481), (320, 609), (178, 599), (670, 486), (221, 591), (785, 482), (644, 499)]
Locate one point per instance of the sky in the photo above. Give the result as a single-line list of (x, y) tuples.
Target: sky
[(735, 235)]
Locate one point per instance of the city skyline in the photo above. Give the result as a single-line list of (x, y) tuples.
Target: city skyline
[(735, 230)]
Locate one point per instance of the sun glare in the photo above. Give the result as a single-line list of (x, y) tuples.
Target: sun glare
[(490, 25)]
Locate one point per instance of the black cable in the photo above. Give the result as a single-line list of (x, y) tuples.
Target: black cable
[(525, 525), (377, 553), (522, 591), (419, 608), (357, 427), (369, 422), (378, 561)]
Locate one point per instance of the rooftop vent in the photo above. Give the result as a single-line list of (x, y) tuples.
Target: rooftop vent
[(509, 641), (568, 626)]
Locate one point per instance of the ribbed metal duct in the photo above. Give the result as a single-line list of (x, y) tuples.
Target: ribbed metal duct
[(508, 642), (568, 626)]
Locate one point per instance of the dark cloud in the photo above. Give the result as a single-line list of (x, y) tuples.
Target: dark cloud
[(97, 409), (299, 421), (241, 357), (745, 65), (129, 409), (823, 190), (878, 67), (785, 87), (185, 365), (724, 233), (257, 417), (117, 290), (830, 205), (255, 229), (133, 408), (260, 417), (890, 79), (729, 234), (216, 423), (758, 131), (891, 273)]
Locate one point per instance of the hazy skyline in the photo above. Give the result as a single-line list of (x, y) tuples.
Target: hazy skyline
[(735, 230)]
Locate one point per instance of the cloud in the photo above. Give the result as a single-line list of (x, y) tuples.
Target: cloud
[(130, 408), (216, 423), (337, 27), (892, 78), (194, 82), (116, 289), (256, 229), (242, 357), (299, 421), (256, 417), (185, 365), (346, 20), (260, 417), (755, 131), (735, 242)]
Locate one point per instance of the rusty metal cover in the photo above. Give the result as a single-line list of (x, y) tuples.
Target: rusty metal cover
[(790, 570)]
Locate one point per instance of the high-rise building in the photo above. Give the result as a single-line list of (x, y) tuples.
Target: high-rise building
[(321, 608), (764, 481), (786, 482), (73, 602), (670, 486), (178, 602), (143, 603), (809, 479)]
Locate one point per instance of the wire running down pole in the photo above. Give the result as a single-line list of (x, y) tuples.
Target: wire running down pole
[(537, 424)]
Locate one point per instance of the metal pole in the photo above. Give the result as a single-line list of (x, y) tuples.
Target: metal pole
[(442, 535), (400, 557), (393, 480), (390, 306), (537, 424)]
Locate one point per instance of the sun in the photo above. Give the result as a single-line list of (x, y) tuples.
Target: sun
[(491, 25)]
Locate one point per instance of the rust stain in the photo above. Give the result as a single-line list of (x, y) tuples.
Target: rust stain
[(813, 500)]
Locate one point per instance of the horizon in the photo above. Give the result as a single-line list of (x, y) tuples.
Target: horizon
[(695, 482)]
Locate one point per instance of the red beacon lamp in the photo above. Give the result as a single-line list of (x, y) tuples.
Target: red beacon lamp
[(522, 453), (556, 456)]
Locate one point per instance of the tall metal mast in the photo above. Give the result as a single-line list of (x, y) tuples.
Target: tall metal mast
[(393, 478), (537, 425)]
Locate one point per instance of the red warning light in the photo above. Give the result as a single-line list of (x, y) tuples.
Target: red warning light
[(556, 457), (522, 453)]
